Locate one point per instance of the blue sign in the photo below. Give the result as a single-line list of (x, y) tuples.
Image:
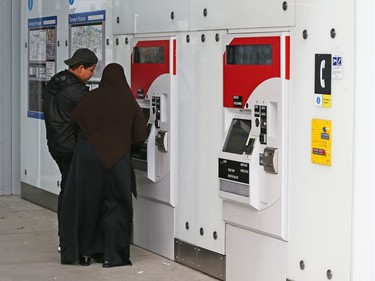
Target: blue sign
[(95, 16), (336, 60), (35, 114), (30, 4), (71, 2), (42, 22), (318, 100)]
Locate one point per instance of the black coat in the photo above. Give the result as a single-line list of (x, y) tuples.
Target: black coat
[(61, 95)]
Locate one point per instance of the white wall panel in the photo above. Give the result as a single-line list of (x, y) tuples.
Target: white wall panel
[(122, 53), (29, 127), (214, 14), (363, 245), (37, 167), (266, 261), (210, 134), (124, 16), (160, 15), (187, 138), (321, 196)]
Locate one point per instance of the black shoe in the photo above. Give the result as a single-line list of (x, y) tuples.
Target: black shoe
[(99, 258), (107, 264), (84, 260)]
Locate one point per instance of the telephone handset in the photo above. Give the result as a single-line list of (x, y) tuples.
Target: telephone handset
[(322, 66)]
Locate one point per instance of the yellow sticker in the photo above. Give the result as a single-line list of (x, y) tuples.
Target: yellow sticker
[(321, 141), (326, 101)]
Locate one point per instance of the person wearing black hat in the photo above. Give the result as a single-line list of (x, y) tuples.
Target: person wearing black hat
[(62, 93)]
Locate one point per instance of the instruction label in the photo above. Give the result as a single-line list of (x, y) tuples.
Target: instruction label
[(336, 67)]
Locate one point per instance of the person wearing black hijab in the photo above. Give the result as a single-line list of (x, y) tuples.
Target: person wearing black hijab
[(97, 211)]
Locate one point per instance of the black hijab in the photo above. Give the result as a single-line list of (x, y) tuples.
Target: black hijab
[(110, 117)]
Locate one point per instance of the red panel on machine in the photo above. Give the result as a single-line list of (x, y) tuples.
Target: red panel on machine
[(287, 57), (249, 61), (149, 60)]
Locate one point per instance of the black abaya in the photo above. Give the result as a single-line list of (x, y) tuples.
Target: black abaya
[(97, 211)]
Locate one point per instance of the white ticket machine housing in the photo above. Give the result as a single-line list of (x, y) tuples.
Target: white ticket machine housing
[(152, 70), (253, 159), (153, 84)]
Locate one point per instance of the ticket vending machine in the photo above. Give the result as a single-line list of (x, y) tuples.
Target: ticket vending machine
[(254, 157), (153, 72)]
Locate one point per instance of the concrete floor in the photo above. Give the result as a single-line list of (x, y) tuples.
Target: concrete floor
[(28, 252)]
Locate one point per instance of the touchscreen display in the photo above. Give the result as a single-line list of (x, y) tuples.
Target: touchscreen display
[(237, 136)]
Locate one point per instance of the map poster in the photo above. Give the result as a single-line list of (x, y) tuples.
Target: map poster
[(41, 61), (87, 30)]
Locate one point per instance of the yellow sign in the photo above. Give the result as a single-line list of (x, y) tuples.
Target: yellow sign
[(327, 101), (321, 141)]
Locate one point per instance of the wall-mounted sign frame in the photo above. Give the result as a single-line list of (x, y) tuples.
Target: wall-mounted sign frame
[(87, 30), (41, 61)]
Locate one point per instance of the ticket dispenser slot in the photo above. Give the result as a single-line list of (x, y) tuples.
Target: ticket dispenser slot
[(252, 161)]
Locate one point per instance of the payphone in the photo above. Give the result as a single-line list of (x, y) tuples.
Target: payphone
[(253, 159)]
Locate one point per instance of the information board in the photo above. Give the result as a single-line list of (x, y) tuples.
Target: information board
[(87, 30), (41, 61)]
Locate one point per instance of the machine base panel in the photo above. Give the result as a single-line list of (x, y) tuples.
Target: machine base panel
[(201, 259)]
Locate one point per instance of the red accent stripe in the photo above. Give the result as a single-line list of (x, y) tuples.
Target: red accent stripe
[(174, 57), (287, 57)]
